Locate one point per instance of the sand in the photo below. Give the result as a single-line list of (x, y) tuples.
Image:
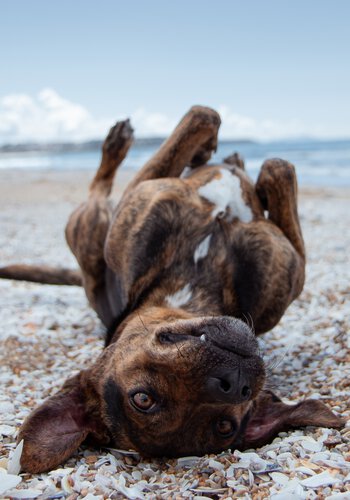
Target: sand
[(49, 332)]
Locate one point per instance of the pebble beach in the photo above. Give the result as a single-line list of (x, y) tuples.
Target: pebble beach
[(48, 333)]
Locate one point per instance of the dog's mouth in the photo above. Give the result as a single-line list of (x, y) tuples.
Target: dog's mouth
[(231, 370), (225, 332)]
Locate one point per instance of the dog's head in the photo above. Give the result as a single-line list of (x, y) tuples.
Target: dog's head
[(168, 386)]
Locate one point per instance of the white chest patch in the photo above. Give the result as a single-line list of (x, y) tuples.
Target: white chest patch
[(202, 249), (226, 193), (180, 298)]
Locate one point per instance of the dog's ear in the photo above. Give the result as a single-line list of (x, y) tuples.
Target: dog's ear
[(271, 416), (54, 430)]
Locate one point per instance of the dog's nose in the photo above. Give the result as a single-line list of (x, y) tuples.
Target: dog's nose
[(228, 387)]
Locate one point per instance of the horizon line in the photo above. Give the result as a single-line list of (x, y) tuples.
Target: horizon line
[(96, 142)]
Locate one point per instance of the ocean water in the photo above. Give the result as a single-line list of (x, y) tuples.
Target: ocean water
[(318, 163)]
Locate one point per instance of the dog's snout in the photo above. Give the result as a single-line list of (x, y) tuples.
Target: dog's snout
[(231, 334), (228, 387)]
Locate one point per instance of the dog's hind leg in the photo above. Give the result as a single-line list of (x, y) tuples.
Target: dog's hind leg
[(191, 144), (88, 225), (277, 189)]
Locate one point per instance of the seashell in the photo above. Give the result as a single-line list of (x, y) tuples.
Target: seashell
[(318, 480), (130, 492), (214, 464), (201, 497), (335, 464), (305, 470), (210, 491), (14, 465), (231, 484), (66, 483), (102, 480), (136, 475), (132, 453), (269, 468), (28, 493), (61, 472), (279, 478), (7, 430), (312, 445), (292, 490), (339, 496), (8, 481), (187, 461)]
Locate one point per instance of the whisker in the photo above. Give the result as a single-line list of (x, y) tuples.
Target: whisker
[(249, 321), (179, 349), (276, 360), (143, 324)]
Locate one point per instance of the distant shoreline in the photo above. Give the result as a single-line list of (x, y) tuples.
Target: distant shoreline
[(147, 142), (93, 145)]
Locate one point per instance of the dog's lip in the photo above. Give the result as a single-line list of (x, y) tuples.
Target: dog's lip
[(235, 350), (227, 342), (214, 339)]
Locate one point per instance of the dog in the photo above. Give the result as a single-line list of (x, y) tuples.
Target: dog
[(179, 272)]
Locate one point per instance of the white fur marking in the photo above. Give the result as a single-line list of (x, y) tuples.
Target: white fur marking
[(202, 249), (225, 192), (180, 298)]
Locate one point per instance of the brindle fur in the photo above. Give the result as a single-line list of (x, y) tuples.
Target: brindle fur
[(132, 258)]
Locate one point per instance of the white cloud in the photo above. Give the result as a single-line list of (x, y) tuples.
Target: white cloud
[(50, 117), (47, 117), (239, 126), (152, 124)]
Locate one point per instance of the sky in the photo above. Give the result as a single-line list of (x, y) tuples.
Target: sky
[(272, 68)]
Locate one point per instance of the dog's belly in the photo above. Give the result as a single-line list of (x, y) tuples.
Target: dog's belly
[(178, 243)]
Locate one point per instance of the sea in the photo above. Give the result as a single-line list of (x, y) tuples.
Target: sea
[(318, 163)]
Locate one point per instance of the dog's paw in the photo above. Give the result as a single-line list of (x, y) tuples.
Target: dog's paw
[(203, 153), (277, 177), (119, 137)]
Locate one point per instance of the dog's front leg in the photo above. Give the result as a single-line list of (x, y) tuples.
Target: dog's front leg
[(191, 144)]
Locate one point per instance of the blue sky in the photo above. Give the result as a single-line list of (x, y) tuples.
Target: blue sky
[(274, 68)]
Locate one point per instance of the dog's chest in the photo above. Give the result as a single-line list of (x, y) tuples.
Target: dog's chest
[(180, 247)]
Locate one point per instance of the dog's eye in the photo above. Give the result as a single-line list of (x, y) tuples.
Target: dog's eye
[(143, 401), (225, 428)]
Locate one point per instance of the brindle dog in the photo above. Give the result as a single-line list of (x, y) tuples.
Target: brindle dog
[(177, 272)]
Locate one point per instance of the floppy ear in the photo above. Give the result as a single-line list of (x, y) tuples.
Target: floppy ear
[(271, 416), (54, 430)]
